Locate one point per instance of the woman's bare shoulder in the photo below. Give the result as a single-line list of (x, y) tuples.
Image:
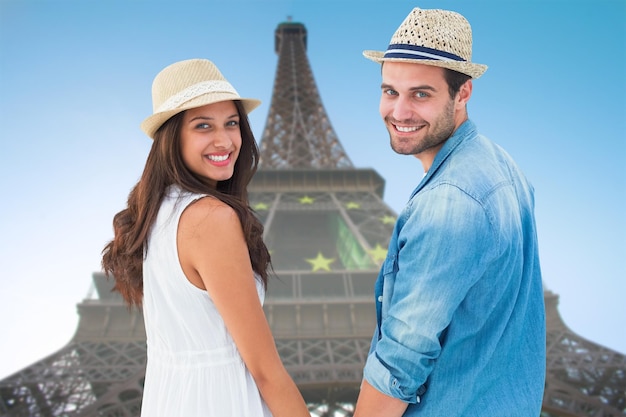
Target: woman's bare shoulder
[(208, 212)]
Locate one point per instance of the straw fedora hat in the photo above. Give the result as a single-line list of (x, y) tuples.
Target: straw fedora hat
[(186, 85), (435, 37)]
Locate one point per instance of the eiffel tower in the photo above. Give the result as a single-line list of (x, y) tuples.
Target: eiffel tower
[(327, 228)]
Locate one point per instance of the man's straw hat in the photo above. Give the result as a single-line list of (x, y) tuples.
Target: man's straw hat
[(186, 85), (435, 37)]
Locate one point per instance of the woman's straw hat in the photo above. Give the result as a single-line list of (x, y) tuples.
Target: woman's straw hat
[(435, 37), (186, 85)]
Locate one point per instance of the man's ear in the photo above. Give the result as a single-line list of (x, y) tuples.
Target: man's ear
[(465, 92)]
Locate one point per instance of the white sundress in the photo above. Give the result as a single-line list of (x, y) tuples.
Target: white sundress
[(193, 368)]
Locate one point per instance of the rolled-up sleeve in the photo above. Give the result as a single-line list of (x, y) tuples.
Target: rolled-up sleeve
[(379, 376)]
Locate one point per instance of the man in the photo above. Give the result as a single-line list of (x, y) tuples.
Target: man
[(459, 298)]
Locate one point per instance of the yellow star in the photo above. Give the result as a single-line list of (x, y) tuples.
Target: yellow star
[(388, 220), (353, 205), (260, 206), (320, 262), (378, 254), (306, 200)]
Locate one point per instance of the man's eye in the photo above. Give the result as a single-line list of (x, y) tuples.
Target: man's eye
[(390, 92), (421, 94)]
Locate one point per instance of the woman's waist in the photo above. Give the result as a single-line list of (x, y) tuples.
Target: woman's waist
[(182, 358)]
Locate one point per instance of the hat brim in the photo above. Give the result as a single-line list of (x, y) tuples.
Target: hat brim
[(152, 123), (467, 68)]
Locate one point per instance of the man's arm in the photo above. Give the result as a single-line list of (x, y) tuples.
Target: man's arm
[(373, 403)]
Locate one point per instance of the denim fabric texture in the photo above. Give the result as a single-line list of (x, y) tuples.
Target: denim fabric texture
[(459, 298)]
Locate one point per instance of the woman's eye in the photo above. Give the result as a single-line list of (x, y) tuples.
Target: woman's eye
[(233, 123), (202, 126)]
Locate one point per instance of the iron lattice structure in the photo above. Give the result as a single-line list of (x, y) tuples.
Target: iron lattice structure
[(298, 132), (583, 378), (327, 228)]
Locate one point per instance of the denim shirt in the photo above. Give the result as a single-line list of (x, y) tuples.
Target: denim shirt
[(459, 298)]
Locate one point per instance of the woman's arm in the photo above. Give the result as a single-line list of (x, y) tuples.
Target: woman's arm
[(214, 255)]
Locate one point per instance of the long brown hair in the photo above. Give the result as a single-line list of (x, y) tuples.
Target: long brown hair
[(123, 256)]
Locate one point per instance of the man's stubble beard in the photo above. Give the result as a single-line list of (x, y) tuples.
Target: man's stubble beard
[(440, 131)]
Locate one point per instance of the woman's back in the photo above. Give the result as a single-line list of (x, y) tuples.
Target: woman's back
[(194, 368)]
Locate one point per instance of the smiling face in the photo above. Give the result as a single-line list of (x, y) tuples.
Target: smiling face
[(211, 140), (417, 109)]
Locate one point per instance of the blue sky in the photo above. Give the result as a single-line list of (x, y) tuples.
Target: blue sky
[(75, 80)]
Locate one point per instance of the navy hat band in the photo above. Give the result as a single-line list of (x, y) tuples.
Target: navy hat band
[(419, 52)]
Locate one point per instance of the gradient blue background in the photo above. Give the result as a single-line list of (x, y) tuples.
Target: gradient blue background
[(75, 79)]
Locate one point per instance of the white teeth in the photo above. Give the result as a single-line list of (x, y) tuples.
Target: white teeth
[(407, 129), (218, 158)]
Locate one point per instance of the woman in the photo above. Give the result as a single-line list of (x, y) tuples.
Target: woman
[(189, 251)]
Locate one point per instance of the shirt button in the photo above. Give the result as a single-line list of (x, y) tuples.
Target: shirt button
[(380, 298)]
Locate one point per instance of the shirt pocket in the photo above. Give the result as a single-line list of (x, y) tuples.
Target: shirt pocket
[(385, 290), (390, 266)]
